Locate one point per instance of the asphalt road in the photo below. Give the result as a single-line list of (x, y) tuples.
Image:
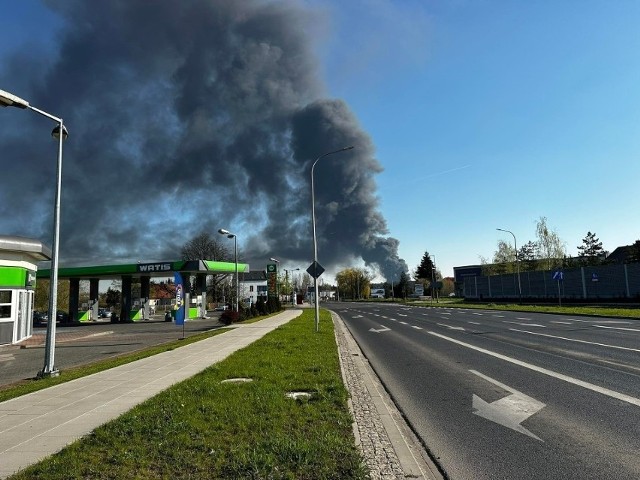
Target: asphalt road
[(93, 341), (507, 395)]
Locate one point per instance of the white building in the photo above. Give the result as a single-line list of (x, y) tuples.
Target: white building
[(253, 285)]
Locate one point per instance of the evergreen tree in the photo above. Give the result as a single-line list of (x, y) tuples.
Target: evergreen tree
[(402, 289), (634, 252), (591, 249), (425, 269), (527, 256)]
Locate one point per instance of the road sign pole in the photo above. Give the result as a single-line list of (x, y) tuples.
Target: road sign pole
[(559, 296)]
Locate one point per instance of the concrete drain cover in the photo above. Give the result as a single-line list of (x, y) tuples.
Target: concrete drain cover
[(298, 395), (237, 380)]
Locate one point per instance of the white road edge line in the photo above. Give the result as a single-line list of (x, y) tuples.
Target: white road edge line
[(575, 340), (525, 324), (544, 371), (618, 328)]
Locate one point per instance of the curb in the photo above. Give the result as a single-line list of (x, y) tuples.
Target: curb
[(390, 448)]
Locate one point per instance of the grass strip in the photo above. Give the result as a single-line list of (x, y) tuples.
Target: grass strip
[(204, 429)]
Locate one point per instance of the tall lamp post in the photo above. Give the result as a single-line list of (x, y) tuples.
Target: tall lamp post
[(60, 133), (222, 231), (277, 288), (515, 246), (315, 241)]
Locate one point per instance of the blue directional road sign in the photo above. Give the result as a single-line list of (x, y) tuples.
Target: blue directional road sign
[(558, 276)]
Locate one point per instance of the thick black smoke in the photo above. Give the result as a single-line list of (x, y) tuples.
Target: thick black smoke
[(187, 116)]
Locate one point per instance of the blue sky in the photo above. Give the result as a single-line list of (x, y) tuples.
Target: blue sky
[(491, 114), (484, 114)]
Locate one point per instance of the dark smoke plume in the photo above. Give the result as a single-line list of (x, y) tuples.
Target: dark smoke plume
[(188, 116)]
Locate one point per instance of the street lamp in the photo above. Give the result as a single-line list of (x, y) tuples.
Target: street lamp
[(222, 231), (515, 247), (315, 241), (60, 133), (277, 288)]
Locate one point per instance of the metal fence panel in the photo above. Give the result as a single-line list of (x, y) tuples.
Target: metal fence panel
[(602, 281)]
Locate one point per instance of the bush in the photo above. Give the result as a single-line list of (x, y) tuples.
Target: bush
[(229, 316), (273, 305), (261, 306)]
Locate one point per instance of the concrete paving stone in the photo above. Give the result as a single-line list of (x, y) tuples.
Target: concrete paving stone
[(15, 420)]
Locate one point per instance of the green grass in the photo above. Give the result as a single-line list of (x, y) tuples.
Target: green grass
[(205, 429)]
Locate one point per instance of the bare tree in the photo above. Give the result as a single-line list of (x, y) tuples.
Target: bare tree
[(204, 246), (550, 248), (504, 258)]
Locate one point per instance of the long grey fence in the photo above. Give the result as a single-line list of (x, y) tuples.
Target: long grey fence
[(604, 281)]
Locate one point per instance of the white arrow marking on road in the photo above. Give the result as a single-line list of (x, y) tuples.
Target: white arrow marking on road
[(383, 329), (544, 371), (509, 411), (416, 327), (402, 315), (451, 327)]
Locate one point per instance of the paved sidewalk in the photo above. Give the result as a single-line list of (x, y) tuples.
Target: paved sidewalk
[(39, 424)]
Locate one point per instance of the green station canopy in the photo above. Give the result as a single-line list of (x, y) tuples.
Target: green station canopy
[(153, 269)]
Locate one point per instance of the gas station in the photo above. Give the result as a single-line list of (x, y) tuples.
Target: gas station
[(134, 309)]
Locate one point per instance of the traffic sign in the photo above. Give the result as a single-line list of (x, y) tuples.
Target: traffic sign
[(594, 277), (558, 275), (315, 269)]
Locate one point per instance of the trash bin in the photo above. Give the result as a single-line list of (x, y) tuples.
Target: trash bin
[(167, 317)]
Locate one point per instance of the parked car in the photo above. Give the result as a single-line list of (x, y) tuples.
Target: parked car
[(104, 312), (62, 317), (221, 308), (39, 317)]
